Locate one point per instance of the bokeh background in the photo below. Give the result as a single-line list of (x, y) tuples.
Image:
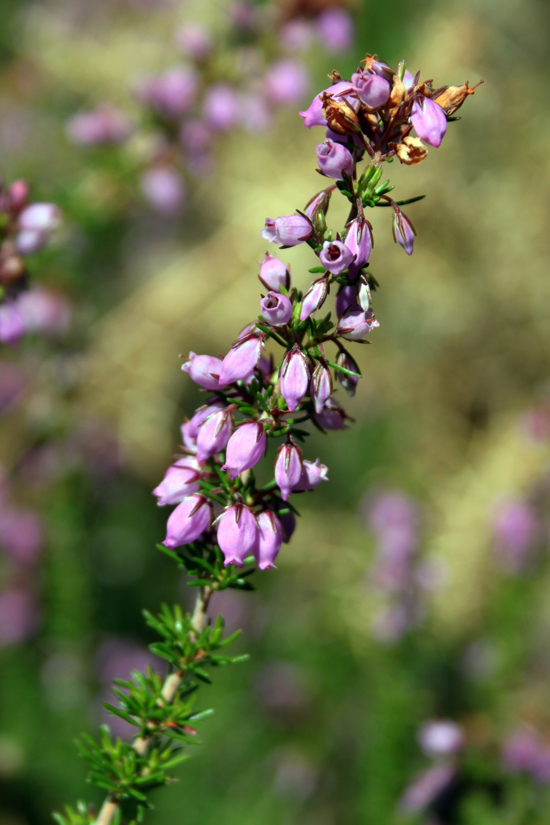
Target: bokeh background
[(416, 586)]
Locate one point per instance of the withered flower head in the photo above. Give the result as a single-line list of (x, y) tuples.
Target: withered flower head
[(451, 98), (411, 151), (341, 118)]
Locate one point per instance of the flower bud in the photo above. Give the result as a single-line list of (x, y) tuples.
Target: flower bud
[(238, 534), (271, 539), (336, 256), (321, 386), (312, 475), (346, 298), (316, 209), (294, 377), (355, 324), (274, 274), (245, 448), (276, 309), (214, 434), (290, 230), (334, 159), (314, 298), (204, 370), (428, 120), (188, 521), (288, 468), (372, 89), (349, 382), (180, 480), (332, 417), (12, 325), (242, 359), (359, 242), (403, 230), (211, 406), (364, 294)]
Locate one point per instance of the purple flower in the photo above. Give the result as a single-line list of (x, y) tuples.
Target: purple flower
[(103, 126), (21, 534), (271, 539), (19, 617), (334, 159), (221, 107), (44, 311), (314, 298), (312, 475), (245, 448), (255, 114), (336, 256), (214, 434), (349, 382), (238, 534), (403, 230), (195, 136), (286, 82), (335, 29), (355, 324), (12, 325), (204, 370), (314, 115), (294, 377), (18, 196), (408, 80), (516, 528), (274, 274), (188, 521), (359, 242), (195, 41), (192, 427), (332, 417), (242, 359), (321, 387), (288, 468), (521, 750), (372, 89), (346, 298), (163, 189), (425, 788), (440, 737), (36, 223), (180, 480), (295, 36), (170, 94), (290, 230), (429, 121), (276, 309)]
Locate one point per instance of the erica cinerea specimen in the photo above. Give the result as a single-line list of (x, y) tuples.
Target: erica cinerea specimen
[(280, 376)]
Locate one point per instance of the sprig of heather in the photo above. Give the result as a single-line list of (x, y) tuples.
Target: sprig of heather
[(279, 376)]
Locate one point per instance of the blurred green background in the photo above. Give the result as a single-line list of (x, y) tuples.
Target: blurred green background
[(319, 726)]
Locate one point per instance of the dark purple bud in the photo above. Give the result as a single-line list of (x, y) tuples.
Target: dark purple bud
[(288, 468), (334, 159), (274, 274), (204, 370), (163, 189), (314, 114), (242, 359), (314, 298), (238, 534), (276, 309), (349, 382), (372, 89), (429, 121), (321, 387), (313, 472), (355, 324), (290, 230), (294, 377), (214, 434), (288, 524), (271, 539), (335, 29), (332, 417), (12, 325), (286, 82), (403, 230), (181, 480), (245, 448), (221, 107), (346, 298), (359, 242), (188, 521), (336, 256)]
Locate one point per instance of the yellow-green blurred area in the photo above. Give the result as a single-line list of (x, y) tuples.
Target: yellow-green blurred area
[(319, 725)]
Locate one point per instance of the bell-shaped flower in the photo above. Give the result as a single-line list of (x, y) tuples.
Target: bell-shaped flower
[(288, 468), (332, 417), (238, 534), (313, 472), (314, 114), (276, 309), (188, 521), (271, 539), (334, 159), (336, 256), (289, 230), (294, 377), (355, 324), (372, 89), (349, 382), (314, 298), (321, 386), (204, 370), (214, 434), (211, 406), (180, 480), (429, 120), (359, 242), (317, 207), (346, 298), (274, 273), (403, 230), (242, 359), (245, 448)]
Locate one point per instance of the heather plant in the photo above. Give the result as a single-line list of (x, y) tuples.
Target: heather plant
[(280, 375)]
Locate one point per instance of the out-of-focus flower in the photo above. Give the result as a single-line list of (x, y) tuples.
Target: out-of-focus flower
[(280, 686), (12, 384), (516, 529), (440, 737), (521, 751), (221, 107), (44, 311), (296, 35), (286, 82), (164, 190), (335, 29), (21, 534), (427, 787), (170, 94), (19, 616), (102, 126), (12, 325), (36, 223), (195, 41), (255, 114)]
